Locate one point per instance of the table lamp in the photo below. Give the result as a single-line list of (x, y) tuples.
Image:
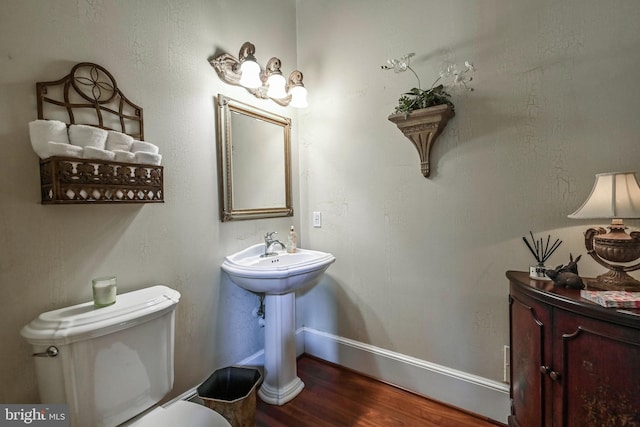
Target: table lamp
[(614, 196)]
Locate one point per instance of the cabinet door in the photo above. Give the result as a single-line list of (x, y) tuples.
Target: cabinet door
[(599, 368), (530, 329)]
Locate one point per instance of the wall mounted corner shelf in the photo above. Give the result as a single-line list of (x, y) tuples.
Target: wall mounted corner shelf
[(422, 127)]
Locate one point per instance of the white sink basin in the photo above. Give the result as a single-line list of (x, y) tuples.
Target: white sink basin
[(277, 274)]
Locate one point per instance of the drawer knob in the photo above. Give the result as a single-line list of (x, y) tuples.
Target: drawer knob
[(547, 371)]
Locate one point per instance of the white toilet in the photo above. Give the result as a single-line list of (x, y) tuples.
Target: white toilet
[(111, 364)]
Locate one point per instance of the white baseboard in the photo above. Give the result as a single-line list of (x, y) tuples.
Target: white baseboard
[(256, 359), (466, 391), (469, 392)]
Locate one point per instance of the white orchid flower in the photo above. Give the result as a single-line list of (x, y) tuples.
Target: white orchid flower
[(399, 65), (437, 93)]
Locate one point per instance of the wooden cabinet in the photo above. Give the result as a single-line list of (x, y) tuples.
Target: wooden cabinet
[(573, 362)]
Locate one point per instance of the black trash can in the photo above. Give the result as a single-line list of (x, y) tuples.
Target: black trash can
[(231, 392)]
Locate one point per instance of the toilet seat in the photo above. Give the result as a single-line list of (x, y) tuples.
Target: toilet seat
[(182, 413)]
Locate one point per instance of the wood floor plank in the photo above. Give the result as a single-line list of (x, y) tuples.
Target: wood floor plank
[(335, 397)]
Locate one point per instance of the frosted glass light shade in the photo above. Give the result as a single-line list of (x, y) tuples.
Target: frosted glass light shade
[(614, 195), (250, 77), (277, 84), (298, 96)]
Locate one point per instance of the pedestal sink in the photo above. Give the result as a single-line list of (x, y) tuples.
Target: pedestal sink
[(278, 277)]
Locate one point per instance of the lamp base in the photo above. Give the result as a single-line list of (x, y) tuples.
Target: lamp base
[(614, 280), (615, 246)]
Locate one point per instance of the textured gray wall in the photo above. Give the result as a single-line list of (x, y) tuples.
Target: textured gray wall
[(420, 262), (157, 51)]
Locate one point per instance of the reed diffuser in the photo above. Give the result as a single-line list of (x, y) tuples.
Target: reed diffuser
[(541, 251)]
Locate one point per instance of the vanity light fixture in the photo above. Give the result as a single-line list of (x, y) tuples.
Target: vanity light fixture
[(614, 196), (269, 83)]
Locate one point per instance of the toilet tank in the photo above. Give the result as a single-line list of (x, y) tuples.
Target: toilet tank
[(112, 363)]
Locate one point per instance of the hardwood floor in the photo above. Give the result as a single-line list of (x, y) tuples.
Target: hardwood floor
[(335, 397)]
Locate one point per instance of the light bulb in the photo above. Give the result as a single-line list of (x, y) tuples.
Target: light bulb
[(276, 84), (250, 77), (298, 96)]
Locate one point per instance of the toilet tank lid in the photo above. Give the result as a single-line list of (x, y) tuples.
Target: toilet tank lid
[(84, 321)]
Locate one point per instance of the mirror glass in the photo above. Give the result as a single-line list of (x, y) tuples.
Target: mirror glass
[(254, 170)]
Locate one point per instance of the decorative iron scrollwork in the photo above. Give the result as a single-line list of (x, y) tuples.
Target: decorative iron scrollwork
[(91, 88)]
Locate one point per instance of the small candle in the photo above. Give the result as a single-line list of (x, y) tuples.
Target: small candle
[(104, 291)]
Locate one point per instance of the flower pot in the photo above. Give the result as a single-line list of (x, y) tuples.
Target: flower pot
[(422, 127)]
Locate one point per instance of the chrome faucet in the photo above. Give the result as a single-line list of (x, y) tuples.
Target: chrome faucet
[(269, 241)]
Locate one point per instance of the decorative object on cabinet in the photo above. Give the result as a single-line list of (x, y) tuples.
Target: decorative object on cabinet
[(421, 114), (96, 167), (541, 253), (572, 361), (254, 162), (267, 83), (566, 275), (614, 196), (622, 299)]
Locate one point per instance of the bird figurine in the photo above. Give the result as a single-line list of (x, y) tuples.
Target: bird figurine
[(566, 276)]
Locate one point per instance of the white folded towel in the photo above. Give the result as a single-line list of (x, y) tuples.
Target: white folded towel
[(87, 136), (118, 141), (125, 156), (43, 131), (64, 150), (143, 146), (148, 158), (98, 154)]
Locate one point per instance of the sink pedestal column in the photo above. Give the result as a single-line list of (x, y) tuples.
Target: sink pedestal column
[(281, 382)]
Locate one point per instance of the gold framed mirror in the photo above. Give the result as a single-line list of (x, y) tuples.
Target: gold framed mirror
[(254, 161)]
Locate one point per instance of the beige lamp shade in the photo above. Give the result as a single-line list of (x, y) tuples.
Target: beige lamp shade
[(614, 195)]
